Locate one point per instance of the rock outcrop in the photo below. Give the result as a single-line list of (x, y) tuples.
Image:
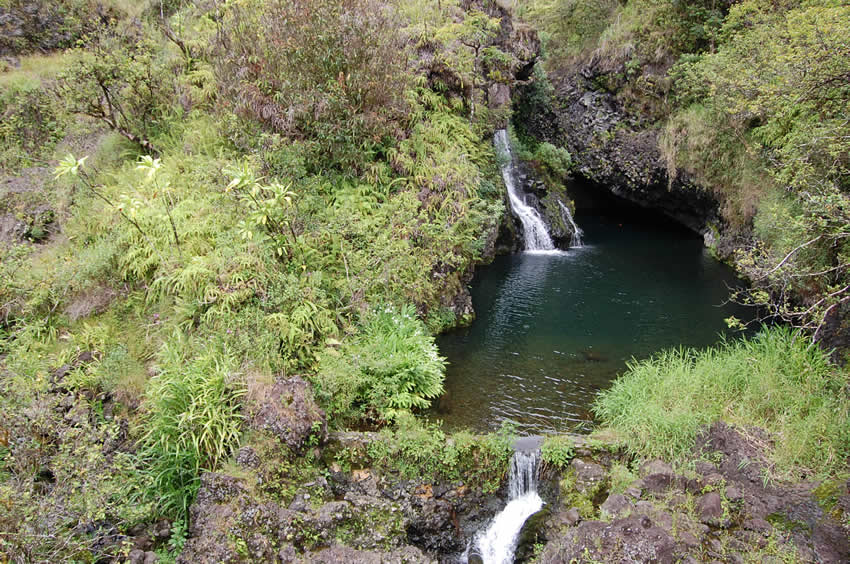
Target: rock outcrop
[(610, 146), (723, 511)]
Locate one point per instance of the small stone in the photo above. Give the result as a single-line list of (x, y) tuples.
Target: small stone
[(758, 525), (632, 492), (734, 494), (151, 558), (571, 517), (705, 468), (677, 500), (694, 486), (709, 508), (714, 479), (587, 473), (688, 539), (644, 507), (247, 457), (617, 506), (656, 467), (136, 556), (658, 483)]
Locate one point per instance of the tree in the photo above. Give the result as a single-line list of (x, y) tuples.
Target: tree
[(119, 80)]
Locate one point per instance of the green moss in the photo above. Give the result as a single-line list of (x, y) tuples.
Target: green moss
[(587, 500)]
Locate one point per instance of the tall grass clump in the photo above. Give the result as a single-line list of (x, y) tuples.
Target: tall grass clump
[(774, 381), (192, 422)]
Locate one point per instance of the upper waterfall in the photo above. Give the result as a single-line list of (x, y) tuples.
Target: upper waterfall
[(534, 230)]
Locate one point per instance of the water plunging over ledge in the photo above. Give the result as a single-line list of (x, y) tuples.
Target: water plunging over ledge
[(496, 544), (554, 329), (535, 234)]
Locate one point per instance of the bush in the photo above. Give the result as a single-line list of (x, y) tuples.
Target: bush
[(774, 381), (390, 367), (30, 125), (330, 73), (557, 451), (121, 79)]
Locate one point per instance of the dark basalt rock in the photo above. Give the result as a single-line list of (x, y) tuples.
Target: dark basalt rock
[(615, 149), (633, 539), (667, 517), (289, 411)]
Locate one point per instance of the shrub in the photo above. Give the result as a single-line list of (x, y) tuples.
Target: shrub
[(557, 451), (121, 79), (30, 125), (390, 367), (330, 73)]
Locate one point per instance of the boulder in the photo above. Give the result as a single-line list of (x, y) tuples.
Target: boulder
[(289, 411)]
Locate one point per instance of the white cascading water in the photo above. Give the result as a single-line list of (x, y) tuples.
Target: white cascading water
[(575, 240), (535, 232), (496, 545)]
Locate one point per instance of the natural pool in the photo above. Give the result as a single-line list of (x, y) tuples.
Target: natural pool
[(554, 329)]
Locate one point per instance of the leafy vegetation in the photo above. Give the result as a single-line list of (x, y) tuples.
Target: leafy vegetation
[(236, 207), (391, 366), (422, 451), (774, 381)]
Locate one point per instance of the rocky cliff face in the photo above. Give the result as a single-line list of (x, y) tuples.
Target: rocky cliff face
[(37, 26), (611, 146)]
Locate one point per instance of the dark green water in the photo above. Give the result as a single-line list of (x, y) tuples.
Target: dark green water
[(553, 330)]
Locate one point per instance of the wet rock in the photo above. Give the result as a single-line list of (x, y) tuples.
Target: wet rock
[(617, 506), (434, 527), (615, 148), (289, 411)]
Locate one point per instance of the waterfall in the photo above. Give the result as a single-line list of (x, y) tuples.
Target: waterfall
[(535, 232), (575, 239), (497, 543)]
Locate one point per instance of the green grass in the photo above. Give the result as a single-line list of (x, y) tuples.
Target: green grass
[(33, 69), (775, 381)]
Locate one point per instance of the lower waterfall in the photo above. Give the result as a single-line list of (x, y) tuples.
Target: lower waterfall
[(496, 544)]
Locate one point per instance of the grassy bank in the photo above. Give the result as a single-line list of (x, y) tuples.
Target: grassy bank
[(775, 381)]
